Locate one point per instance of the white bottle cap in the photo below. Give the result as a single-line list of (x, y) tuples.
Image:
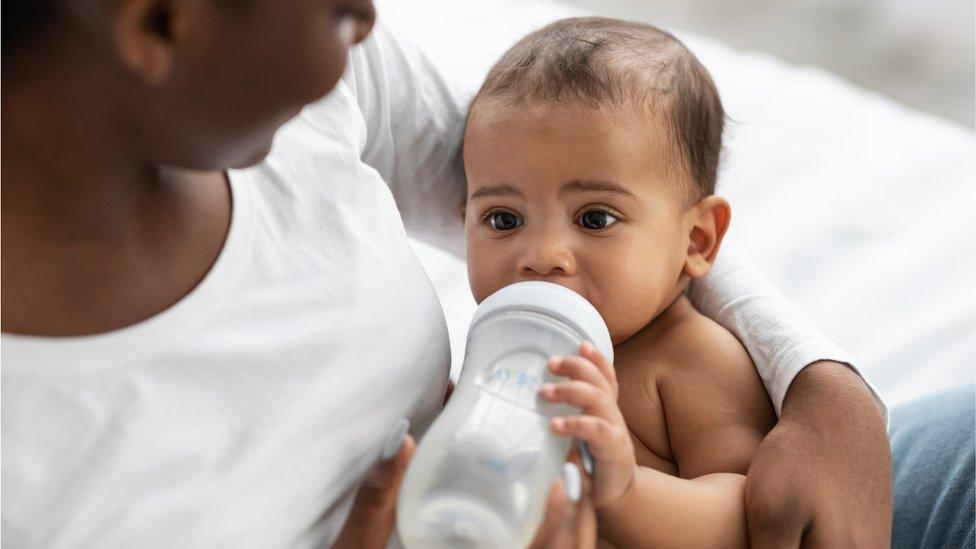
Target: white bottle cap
[(552, 300)]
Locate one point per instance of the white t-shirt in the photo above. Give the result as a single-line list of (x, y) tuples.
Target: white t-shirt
[(246, 414)]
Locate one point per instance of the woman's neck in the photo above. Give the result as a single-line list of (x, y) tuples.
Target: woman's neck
[(85, 222), (66, 169)]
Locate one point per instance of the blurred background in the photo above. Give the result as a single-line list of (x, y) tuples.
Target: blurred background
[(918, 52)]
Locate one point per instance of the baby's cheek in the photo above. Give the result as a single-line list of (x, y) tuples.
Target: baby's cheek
[(475, 259), (630, 301), (485, 271), (624, 320)]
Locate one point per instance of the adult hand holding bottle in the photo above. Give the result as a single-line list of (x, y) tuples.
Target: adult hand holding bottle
[(569, 520)]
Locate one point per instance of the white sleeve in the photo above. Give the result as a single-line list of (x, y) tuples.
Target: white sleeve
[(414, 120), (780, 340)]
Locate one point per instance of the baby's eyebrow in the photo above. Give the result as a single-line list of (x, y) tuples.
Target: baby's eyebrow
[(589, 185), (501, 189)]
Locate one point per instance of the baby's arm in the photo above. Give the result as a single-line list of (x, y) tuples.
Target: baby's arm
[(660, 510), (717, 413)]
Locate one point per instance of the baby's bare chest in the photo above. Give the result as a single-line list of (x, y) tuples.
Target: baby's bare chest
[(643, 410)]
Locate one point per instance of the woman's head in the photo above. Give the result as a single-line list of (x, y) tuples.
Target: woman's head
[(198, 84)]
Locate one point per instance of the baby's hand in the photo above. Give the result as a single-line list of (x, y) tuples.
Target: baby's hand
[(592, 386)]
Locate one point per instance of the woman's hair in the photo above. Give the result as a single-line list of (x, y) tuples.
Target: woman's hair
[(598, 61), (24, 24)]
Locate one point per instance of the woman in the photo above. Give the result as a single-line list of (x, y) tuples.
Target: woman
[(197, 356)]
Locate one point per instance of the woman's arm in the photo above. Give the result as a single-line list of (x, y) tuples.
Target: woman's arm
[(780, 340), (823, 477), (823, 474), (414, 117)]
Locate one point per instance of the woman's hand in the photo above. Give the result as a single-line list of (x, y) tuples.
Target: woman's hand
[(822, 477), (570, 521), (592, 386), (373, 514)]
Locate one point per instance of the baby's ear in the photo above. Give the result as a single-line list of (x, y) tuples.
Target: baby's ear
[(706, 223)]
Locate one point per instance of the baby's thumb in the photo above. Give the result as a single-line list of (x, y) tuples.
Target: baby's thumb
[(373, 512)]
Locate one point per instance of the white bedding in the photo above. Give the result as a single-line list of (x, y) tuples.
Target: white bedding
[(859, 209)]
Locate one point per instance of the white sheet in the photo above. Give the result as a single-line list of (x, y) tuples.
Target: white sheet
[(859, 209)]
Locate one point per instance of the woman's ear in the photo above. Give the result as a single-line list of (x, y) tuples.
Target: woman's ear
[(143, 33), (706, 222)]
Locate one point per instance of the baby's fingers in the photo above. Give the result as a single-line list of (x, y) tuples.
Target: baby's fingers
[(590, 352), (598, 433), (580, 369), (590, 400)]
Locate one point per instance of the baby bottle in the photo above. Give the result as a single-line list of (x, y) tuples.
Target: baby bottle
[(481, 474)]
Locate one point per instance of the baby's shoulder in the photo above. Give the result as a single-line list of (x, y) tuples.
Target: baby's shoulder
[(699, 384), (704, 371), (689, 343), (716, 407), (683, 341), (684, 355)]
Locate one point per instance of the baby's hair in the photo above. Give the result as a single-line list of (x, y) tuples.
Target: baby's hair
[(597, 61)]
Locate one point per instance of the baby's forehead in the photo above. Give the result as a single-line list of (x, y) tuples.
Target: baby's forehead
[(551, 144), (627, 132), (614, 65), (494, 115)]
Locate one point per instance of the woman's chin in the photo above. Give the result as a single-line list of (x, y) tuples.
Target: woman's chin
[(262, 148), (254, 158)]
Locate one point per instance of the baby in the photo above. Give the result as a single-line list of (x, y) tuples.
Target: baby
[(591, 154)]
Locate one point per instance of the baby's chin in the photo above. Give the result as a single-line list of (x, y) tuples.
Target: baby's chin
[(620, 336), (626, 322), (623, 320)]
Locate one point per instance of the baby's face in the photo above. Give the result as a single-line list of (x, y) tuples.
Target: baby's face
[(576, 196)]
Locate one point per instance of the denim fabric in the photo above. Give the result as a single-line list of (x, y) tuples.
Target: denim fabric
[(932, 448)]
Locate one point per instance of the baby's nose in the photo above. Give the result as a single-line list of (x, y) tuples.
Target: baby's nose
[(548, 258)]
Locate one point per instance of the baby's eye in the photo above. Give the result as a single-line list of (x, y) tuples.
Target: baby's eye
[(595, 220), (504, 221)]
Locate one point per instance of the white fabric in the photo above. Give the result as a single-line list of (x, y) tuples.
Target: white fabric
[(245, 415), (859, 210), (780, 340)]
